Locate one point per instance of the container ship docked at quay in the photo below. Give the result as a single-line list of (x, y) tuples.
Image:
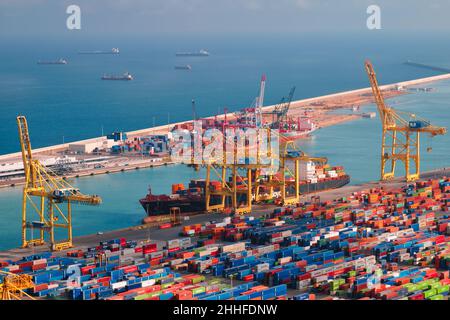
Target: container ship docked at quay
[(314, 177)]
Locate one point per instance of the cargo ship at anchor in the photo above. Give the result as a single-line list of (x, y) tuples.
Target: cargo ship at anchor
[(185, 67), (201, 53), (112, 51), (125, 76), (192, 199), (59, 61)]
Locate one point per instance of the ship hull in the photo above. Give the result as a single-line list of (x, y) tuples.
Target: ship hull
[(155, 208), (117, 79), (191, 55)]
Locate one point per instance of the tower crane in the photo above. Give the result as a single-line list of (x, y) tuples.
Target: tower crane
[(253, 116), (194, 113), (260, 102), (44, 196), (400, 134), (280, 111), (13, 286)]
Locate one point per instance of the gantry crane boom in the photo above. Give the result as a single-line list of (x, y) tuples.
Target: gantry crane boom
[(13, 286), (400, 136), (43, 185)]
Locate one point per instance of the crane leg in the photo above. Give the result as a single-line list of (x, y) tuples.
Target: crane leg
[(414, 154), (24, 220), (42, 217), (207, 190), (390, 155), (393, 154), (408, 157), (417, 159), (69, 223), (52, 222)]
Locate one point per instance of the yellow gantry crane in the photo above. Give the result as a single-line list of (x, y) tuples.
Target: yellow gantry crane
[(241, 173), (290, 159), (44, 197), (257, 181), (13, 286), (400, 134)]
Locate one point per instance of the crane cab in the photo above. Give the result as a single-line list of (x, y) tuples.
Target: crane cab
[(418, 124), (61, 194)]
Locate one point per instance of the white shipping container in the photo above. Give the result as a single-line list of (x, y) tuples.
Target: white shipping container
[(286, 233), (284, 260), (303, 284), (234, 247), (121, 284), (176, 261), (175, 243), (128, 251), (321, 279), (204, 253), (262, 267), (221, 224), (13, 267)]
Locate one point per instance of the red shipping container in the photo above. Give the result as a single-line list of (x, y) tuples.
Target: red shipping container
[(248, 277), (40, 287)]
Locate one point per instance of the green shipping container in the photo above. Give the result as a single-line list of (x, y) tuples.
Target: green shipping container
[(429, 293), (199, 290)]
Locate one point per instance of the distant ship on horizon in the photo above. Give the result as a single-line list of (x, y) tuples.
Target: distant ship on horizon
[(59, 61), (125, 76), (112, 51), (201, 53), (185, 67)]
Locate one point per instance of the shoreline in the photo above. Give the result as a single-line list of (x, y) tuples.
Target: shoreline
[(318, 109), (294, 104)]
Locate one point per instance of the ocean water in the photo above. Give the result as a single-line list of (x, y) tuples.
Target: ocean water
[(71, 103)]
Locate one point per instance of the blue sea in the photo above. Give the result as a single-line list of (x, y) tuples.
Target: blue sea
[(70, 102)]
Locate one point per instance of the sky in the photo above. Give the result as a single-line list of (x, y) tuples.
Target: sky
[(141, 17)]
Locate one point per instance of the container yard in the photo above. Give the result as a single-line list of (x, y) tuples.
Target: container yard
[(370, 244)]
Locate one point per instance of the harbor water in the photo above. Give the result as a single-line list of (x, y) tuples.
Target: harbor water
[(71, 101)]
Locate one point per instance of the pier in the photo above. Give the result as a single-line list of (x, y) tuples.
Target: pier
[(426, 66), (318, 107)]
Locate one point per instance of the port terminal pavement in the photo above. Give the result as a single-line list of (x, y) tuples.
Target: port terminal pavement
[(151, 233)]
